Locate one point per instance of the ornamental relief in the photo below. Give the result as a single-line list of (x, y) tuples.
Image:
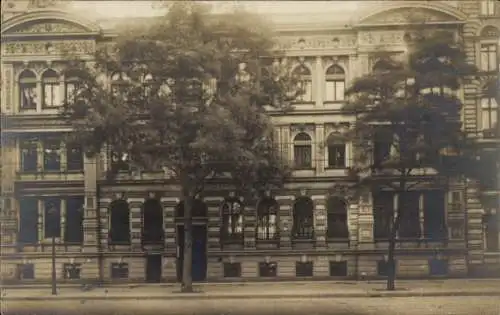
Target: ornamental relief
[(338, 129), (46, 48), (382, 38), (312, 42), (400, 16), (49, 27), (302, 128)]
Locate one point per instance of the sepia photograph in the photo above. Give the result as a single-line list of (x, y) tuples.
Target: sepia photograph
[(250, 157)]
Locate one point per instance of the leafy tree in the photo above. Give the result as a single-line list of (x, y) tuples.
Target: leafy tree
[(408, 120), (187, 94)]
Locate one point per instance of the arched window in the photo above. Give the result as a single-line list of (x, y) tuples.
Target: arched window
[(119, 81), (72, 80), (119, 224), (488, 54), (334, 84), (29, 154), (147, 83), (51, 89), (27, 90), (267, 219), (303, 219), (302, 151), (152, 222), (336, 218), (51, 154), (199, 210), (489, 116), (232, 220), (304, 77), (336, 152)]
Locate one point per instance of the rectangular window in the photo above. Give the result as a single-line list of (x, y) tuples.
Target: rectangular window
[(489, 115), (71, 89), (304, 269), (334, 90), (266, 227), (382, 268), (28, 95), (26, 271), (492, 231), (51, 94), (381, 152), (73, 229), (51, 155), (438, 267), (29, 155), (337, 225), (74, 157), (119, 270), (268, 269), (336, 156), (305, 87), (72, 271), (232, 270), (487, 7), (28, 220), (434, 215), (303, 156), (488, 57), (410, 217), (52, 218), (383, 208), (338, 268)]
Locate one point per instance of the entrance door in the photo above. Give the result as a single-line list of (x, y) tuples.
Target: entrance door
[(199, 263), (153, 268)]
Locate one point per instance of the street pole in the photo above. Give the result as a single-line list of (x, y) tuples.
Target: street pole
[(54, 284)]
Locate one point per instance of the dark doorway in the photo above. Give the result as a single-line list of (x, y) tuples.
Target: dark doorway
[(199, 264), (153, 268)]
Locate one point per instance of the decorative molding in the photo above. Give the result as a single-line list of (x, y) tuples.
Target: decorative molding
[(48, 27), (404, 15), (40, 47), (316, 42), (302, 128), (374, 38)]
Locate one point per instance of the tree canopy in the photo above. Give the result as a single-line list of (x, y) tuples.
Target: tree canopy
[(187, 93)]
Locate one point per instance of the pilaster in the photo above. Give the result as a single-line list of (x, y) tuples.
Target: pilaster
[(91, 226), (319, 76), (320, 218), (214, 221), (169, 204), (250, 222), (285, 218), (320, 148), (135, 213), (365, 222)]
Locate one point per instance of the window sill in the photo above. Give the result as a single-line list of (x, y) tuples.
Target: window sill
[(336, 168), (333, 102), (303, 102), (337, 239), (303, 169)]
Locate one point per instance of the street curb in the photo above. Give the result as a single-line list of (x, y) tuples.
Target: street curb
[(202, 296)]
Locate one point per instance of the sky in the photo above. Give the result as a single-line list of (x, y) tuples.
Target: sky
[(138, 8)]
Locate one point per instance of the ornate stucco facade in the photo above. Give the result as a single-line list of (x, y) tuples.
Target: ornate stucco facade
[(330, 52)]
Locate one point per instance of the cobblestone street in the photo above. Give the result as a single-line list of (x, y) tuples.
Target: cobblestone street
[(334, 306)]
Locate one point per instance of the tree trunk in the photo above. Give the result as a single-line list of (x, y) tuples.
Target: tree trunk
[(187, 281), (391, 264)]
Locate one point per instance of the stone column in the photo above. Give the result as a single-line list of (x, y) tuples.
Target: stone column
[(365, 222), (320, 148), (319, 75), (320, 217), (214, 221)]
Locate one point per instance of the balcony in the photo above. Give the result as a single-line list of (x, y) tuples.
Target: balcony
[(27, 176)]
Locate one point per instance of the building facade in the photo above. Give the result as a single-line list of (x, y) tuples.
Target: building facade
[(130, 229)]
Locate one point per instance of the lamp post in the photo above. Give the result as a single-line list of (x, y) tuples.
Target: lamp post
[(54, 233)]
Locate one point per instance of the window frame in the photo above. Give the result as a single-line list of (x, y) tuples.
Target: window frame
[(487, 8), (336, 78), (271, 270), (229, 229), (121, 272), (489, 106), (335, 145), (303, 219), (52, 81), (52, 228), (28, 80), (70, 235), (267, 208), (27, 145), (233, 272), (334, 212), (115, 236), (28, 222), (56, 147), (74, 161), (304, 269), (68, 268), (303, 148), (305, 83)]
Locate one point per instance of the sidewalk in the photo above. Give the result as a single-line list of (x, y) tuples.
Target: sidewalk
[(325, 289)]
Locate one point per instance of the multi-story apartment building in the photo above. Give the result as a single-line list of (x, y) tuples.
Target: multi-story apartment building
[(129, 228)]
